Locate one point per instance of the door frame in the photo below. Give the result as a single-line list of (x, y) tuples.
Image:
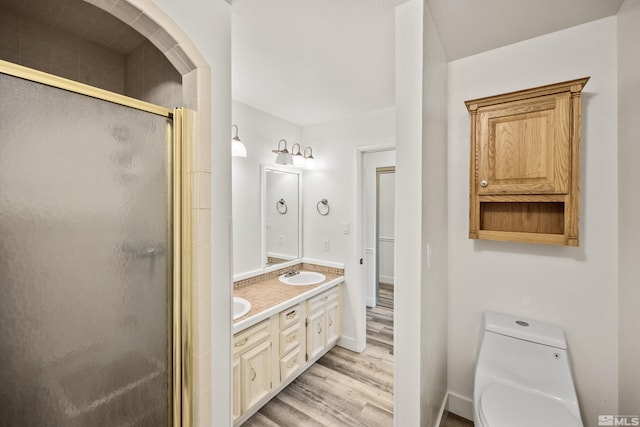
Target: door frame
[(359, 247)]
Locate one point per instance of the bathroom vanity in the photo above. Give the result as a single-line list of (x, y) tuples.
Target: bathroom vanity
[(288, 328)]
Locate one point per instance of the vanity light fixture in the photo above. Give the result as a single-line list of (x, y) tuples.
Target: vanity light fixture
[(237, 147), (298, 158), (283, 156), (310, 162)]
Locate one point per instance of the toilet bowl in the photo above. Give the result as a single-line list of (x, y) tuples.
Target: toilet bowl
[(523, 377)]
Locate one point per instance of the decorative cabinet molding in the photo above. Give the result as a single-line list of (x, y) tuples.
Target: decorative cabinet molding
[(525, 165)]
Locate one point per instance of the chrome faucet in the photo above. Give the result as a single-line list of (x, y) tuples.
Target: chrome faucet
[(291, 273)]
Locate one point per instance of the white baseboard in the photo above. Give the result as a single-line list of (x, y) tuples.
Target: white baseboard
[(370, 302), (348, 343), (443, 407), (460, 405), (387, 279)]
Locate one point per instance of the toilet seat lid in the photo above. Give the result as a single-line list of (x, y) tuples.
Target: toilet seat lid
[(505, 406)]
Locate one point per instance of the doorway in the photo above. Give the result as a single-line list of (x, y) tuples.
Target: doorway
[(377, 223), (384, 237)]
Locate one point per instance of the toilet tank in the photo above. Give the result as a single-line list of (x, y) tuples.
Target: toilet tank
[(526, 353)]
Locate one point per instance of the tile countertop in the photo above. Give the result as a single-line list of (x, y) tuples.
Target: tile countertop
[(270, 297)]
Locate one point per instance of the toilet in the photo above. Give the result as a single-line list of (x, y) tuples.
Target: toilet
[(523, 377)]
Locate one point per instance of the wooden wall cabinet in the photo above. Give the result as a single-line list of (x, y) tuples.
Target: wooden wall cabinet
[(525, 165)]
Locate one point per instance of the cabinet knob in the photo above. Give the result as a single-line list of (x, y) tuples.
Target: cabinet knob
[(483, 183)]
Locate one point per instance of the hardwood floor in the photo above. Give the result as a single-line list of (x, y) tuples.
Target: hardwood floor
[(453, 420), (385, 295), (343, 388)]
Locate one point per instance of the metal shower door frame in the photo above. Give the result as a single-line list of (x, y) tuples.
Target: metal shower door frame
[(179, 228)]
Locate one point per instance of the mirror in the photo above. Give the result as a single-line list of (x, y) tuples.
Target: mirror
[(281, 214)]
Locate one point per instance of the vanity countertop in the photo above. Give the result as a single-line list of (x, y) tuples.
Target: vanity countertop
[(270, 296)]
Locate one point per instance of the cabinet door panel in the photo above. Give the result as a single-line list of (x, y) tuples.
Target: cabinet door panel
[(315, 333), (333, 323), (256, 374), (524, 146)]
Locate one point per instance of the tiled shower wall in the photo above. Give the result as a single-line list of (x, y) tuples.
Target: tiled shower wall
[(151, 77), (40, 46), (144, 74)]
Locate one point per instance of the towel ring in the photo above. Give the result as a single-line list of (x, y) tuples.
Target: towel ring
[(281, 206), (323, 207)]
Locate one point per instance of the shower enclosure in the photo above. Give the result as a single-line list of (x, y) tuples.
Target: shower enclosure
[(93, 304)]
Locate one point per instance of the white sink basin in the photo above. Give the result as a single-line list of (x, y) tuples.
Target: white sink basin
[(240, 307), (303, 278)]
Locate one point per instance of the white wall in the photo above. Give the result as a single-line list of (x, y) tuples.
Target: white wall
[(334, 178), (407, 378), (572, 287), (371, 161), (434, 226), (260, 133), (421, 219), (629, 204)]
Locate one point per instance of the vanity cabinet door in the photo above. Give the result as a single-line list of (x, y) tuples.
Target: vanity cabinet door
[(333, 323), (256, 374), (315, 333), (237, 389)]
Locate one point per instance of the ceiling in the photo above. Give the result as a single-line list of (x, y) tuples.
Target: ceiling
[(468, 27), (312, 61)]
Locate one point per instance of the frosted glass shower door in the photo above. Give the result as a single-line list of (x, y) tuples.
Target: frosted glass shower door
[(85, 260)]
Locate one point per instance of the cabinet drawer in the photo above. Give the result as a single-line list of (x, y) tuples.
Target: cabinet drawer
[(290, 363), (252, 336), (320, 300), (290, 338), (289, 316)]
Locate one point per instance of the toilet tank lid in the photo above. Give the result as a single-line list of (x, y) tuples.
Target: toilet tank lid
[(525, 329)]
